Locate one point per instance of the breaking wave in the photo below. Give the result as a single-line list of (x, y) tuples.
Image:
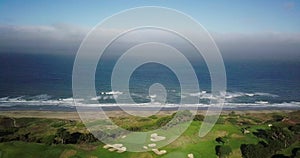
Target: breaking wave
[(47, 100)]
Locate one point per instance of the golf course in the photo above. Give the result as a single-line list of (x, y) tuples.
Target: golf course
[(231, 136)]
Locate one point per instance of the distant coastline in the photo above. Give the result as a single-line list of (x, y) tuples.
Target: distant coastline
[(134, 108)]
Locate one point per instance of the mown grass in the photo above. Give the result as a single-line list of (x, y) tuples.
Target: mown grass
[(28, 150)]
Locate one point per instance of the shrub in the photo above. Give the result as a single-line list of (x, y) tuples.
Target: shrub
[(144, 119), (223, 150), (276, 139), (295, 153), (295, 128), (198, 117), (63, 135), (232, 113), (232, 120), (163, 121), (87, 138), (277, 117), (220, 140), (50, 139), (254, 151), (280, 156), (134, 128), (153, 117), (57, 124), (7, 131)]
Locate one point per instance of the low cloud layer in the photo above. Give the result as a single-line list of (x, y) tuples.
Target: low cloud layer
[(279, 46), (66, 39), (41, 39)]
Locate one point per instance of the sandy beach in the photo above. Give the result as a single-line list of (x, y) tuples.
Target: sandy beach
[(75, 115)]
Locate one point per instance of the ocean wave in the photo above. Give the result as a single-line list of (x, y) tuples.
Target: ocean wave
[(231, 95), (262, 102), (201, 95), (42, 100), (111, 93)]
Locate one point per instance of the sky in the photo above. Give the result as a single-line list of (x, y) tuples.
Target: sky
[(218, 16), (49, 26)]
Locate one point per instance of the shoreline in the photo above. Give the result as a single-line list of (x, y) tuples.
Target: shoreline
[(73, 115), (139, 108)]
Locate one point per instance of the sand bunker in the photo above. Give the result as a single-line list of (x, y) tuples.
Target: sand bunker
[(156, 138), (115, 147), (190, 155), (157, 152), (152, 145)]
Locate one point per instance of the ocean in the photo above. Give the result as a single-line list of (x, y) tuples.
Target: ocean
[(44, 82)]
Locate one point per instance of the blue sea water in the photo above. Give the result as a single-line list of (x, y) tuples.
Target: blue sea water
[(37, 80)]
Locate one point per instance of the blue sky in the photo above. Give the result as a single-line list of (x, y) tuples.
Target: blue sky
[(217, 16)]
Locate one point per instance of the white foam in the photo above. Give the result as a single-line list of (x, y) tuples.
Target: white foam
[(265, 94), (41, 97), (152, 96), (114, 93), (96, 98), (41, 100), (4, 99), (249, 94), (262, 102)]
